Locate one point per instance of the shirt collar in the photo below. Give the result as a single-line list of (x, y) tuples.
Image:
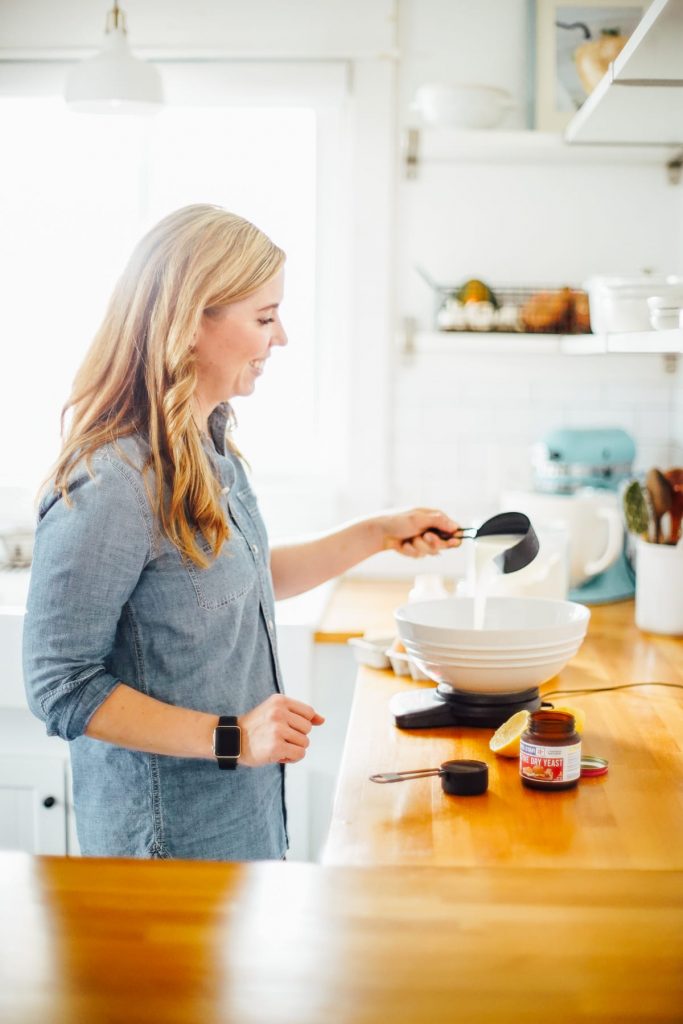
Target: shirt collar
[(220, 421)]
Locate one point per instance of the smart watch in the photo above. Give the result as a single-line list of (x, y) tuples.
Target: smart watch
[(227, 742)]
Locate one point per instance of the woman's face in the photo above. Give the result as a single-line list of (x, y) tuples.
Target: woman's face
[(233, 344)]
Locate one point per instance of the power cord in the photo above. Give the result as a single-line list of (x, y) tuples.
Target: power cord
[(604, 689)]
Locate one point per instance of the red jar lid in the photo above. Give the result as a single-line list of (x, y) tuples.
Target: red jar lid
[(593, 766)]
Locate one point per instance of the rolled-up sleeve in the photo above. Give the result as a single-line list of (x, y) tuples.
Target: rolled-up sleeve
[(88, 559)]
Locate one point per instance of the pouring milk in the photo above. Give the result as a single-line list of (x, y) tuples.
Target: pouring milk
[(546, 576), (486, 571)]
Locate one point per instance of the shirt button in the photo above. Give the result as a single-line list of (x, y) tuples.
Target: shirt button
[(226, 490), (254, 548), (270, 625)]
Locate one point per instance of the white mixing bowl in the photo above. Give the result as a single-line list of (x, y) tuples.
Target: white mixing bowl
[(509, 622), (490, 679), (524, 641), (465, 657)]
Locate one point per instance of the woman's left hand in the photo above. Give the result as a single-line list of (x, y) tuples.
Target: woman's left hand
[(410, 532)]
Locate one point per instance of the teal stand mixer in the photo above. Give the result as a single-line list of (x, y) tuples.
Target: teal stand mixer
[(568, 460)]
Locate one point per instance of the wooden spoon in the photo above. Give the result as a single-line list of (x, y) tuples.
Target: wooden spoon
[(662, 497), (675, 478)]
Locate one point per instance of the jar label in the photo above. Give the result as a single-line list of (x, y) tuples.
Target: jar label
[(549, 764)]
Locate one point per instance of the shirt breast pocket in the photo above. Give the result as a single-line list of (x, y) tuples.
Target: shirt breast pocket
[(248, 500), (228, 579)]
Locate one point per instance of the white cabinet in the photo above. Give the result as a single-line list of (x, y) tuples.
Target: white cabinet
[(12, 693), (640, 99), (33, 812)]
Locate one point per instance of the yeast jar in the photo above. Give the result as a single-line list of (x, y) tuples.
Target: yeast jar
[(550, 751)]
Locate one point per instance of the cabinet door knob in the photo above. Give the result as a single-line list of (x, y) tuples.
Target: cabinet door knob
[(49, 801)]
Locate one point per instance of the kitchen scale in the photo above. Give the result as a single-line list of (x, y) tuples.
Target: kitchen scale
[(446, 706)]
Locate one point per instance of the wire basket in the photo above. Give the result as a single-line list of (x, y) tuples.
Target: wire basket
[(475, 306)]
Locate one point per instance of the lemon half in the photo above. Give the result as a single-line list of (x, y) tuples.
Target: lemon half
[(505, 740)]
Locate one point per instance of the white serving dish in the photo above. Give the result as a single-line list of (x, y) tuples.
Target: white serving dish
[(619, 304), (464, 106), (371, 651)]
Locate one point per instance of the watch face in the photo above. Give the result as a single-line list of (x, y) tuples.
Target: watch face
[(227, 741)]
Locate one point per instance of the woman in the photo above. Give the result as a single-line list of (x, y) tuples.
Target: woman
[(150, 615)]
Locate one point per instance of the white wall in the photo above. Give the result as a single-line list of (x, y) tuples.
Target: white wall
[(463, 425), (463, 434)]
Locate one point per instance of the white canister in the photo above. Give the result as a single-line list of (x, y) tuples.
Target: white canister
[(659, 587)]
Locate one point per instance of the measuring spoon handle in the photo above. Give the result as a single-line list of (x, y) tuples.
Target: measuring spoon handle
[(419, 773)]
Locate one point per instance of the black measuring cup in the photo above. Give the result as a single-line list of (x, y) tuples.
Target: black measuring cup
[(458, 778), (517, 555)]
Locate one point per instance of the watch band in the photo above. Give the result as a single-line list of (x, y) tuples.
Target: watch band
[(227, 742)]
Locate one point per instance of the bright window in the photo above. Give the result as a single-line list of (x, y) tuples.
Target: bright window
[(76, 192)]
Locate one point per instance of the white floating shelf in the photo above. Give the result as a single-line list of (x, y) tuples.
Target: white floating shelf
[(499, 343), (640, 100), (447, 146)]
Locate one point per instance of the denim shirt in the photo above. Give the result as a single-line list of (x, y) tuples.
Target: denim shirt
[(112, 600)]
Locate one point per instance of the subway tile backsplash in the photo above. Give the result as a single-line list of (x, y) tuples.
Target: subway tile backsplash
[(464, 425)]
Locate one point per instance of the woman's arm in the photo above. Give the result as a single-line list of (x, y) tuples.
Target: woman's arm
[(276, 730), (299, 567)]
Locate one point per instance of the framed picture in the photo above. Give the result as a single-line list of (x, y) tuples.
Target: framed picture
[(575, 44)]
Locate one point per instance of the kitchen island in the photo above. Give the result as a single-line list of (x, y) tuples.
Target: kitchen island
[(161, 942), (630, 818), (514, 906)]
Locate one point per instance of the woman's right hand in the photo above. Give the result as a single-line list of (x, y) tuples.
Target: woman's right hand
[(276, 731)]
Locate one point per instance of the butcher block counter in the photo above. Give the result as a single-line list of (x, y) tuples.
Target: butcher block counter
[(631, 818), (162, 942), (429, 909)]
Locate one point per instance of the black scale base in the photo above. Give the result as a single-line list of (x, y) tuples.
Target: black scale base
[(444, 705)]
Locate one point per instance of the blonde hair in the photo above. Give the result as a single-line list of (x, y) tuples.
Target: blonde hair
[(139, 375)]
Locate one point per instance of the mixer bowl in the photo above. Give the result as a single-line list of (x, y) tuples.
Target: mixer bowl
[(524, 641)]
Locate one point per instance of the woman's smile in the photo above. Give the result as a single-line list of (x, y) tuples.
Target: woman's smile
[(233, 344)]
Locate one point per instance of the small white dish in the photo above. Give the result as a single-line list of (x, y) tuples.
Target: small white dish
[(665, 311), (465, 106), (399, 662), (403, 665), (371, 651)]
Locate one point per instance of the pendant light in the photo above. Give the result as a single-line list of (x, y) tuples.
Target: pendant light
[(114, 81)]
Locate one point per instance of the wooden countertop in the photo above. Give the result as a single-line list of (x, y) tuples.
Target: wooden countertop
[(630, 818), (154, 942), (359, 607)]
